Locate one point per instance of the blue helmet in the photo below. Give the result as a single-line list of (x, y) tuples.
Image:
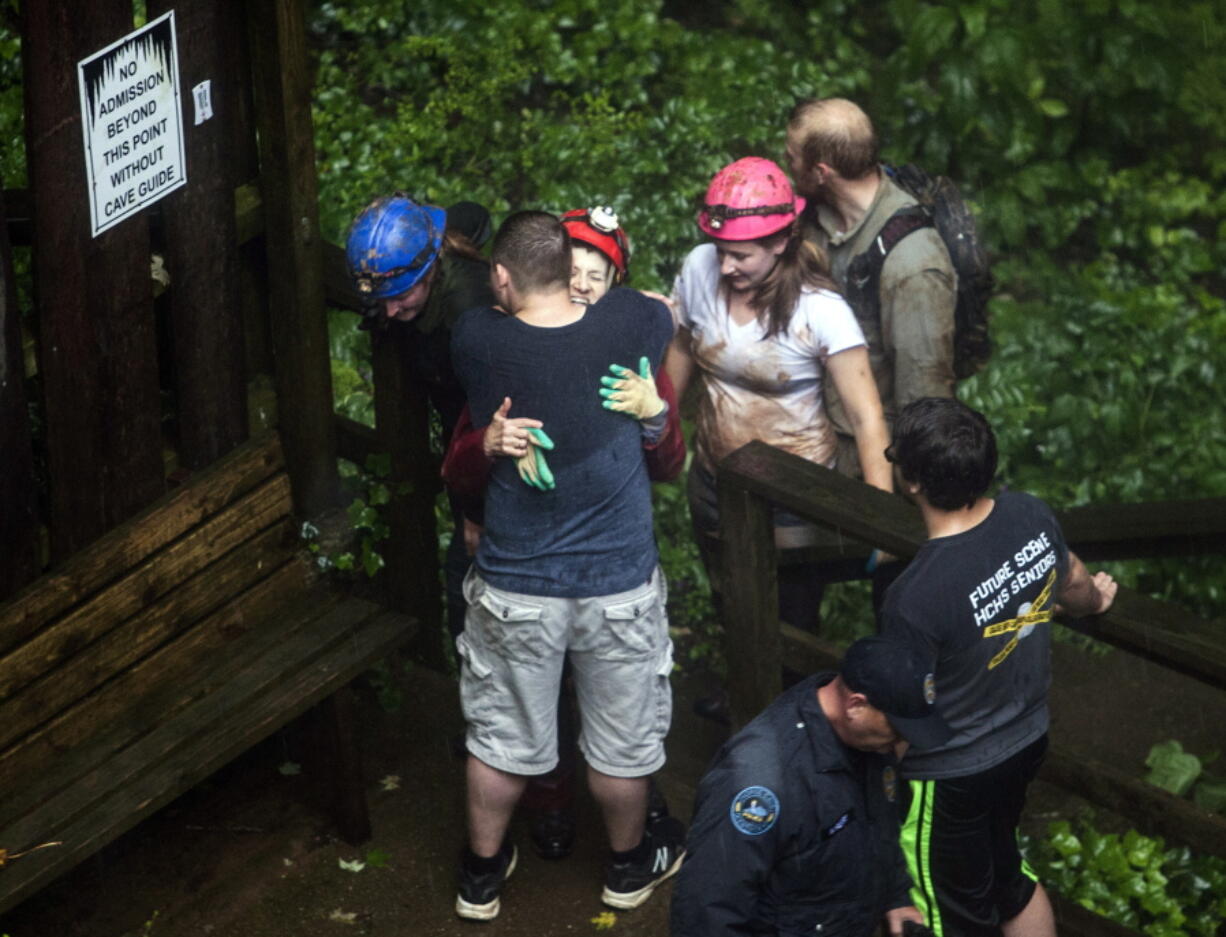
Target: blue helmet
[(392, 244)]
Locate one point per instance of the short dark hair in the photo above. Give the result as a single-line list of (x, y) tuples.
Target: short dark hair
[(946, 448), (836, 132), (535, 249)]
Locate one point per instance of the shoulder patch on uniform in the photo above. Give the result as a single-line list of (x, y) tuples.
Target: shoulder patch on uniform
[(754, 810)]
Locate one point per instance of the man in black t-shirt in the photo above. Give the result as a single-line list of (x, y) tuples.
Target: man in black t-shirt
[(979, 596)]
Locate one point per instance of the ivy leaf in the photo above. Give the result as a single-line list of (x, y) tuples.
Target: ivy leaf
[(378, 859), (1210, 794), (351, 865), (1171, 768), (605, 920)]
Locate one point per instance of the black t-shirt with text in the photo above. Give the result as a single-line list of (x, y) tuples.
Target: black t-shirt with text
[(981, 602)]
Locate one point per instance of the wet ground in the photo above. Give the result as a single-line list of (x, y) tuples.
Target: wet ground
[(246, 854)]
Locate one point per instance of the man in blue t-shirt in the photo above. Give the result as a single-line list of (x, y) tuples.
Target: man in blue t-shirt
[(979, 597), (565, 570)]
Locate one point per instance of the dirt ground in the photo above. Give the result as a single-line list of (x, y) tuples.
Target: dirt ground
[(247, 854)]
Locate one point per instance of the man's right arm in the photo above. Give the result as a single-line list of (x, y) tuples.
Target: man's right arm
[(1084, 594)]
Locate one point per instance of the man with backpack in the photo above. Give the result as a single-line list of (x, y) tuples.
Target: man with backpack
[(923, 314)]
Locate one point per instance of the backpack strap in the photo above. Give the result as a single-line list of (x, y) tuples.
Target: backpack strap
[(863, 289)]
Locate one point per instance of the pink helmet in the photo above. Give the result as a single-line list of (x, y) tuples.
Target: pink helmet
[(749, 199)]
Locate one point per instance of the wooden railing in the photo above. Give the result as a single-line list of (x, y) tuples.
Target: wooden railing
[(757, 475), (857, 515)]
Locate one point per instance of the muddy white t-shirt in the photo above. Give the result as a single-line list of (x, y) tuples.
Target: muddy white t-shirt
[(755, 387)]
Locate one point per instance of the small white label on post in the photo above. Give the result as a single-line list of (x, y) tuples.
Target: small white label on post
[(202, 94)]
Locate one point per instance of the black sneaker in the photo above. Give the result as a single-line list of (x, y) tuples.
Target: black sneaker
[(478, 897), (629, 884)]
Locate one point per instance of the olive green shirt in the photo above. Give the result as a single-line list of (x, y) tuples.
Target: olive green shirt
[(911, 343)]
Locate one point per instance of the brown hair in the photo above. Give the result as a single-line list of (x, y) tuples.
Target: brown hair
[(535, 249), (802, 264), (457, 245), (836, 132)]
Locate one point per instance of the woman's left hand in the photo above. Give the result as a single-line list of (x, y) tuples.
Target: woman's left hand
[(630, 393)]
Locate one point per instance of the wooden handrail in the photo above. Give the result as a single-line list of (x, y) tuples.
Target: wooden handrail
[(1153, 810), (760, 473)]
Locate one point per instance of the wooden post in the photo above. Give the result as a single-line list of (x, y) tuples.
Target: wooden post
[(297, 318), (201, 247), (98, 348), (402, 417), (750, 600), (337, 765), (18, 497)]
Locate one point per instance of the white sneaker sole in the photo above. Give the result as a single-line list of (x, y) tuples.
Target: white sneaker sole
[(628, 900), (489, 910)]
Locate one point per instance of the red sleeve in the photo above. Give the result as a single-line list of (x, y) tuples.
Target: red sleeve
[(466, 470), (666, 456)]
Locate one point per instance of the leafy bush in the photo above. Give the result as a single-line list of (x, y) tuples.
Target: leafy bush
[(1132, 878)]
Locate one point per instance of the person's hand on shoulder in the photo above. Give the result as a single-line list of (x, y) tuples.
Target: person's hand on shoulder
[(632, 394)]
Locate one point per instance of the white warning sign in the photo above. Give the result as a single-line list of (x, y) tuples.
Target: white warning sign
[(130, 114)]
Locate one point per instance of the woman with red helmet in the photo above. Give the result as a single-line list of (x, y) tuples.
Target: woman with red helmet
[(759, 316)]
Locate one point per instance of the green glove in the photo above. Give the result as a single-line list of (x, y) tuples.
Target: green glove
[(532, 467), (630, 393)]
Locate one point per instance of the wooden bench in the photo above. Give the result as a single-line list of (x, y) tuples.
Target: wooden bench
[(161, 652)]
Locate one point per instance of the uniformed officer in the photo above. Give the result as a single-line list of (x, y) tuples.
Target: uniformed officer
[(795, 829)]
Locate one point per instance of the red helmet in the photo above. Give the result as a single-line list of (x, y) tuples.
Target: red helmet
[(749, 199), (598, 228)]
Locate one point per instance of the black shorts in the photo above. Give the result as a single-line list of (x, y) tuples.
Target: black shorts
[(960, 842)]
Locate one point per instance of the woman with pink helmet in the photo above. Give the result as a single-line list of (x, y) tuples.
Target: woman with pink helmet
[(758, 315)]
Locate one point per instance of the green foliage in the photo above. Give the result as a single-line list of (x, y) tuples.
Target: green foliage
[(366, 529), (558, 105), (1091, 138), (12, 117), (1132, 878), (1179, 772)]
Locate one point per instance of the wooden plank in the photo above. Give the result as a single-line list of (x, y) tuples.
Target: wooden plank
[(128, 544), (150, 693), (868, 514), (297, 318), (179, 609), (338, 285), (355, 441), (98, 345), (750, 610), (321, 659), (402, 418), (18, 495), (1160, 632), (1072, 920), (1153, 528), (201, 248), (334, 763), (1152, 809), (156, 577), (1135, 623)]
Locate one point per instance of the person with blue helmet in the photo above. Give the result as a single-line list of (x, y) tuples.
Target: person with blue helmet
[(417, 268)]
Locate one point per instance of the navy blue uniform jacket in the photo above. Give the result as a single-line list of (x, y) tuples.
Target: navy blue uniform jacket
[(793, 832)]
